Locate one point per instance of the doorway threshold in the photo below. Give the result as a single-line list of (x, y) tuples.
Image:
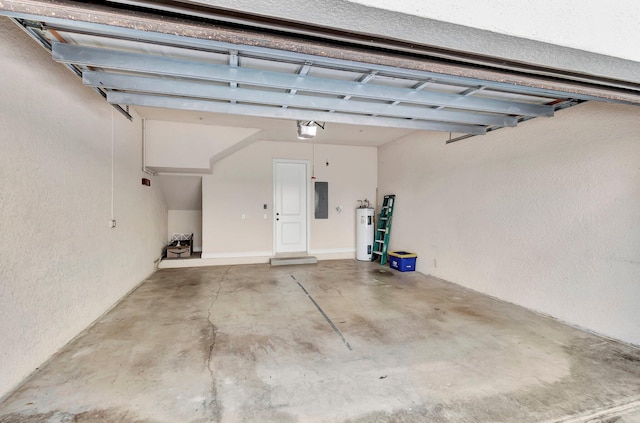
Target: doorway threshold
[(279, 260)]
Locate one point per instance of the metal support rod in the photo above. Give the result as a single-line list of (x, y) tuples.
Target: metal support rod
[(233, 62), (559, 106), (47, 46)]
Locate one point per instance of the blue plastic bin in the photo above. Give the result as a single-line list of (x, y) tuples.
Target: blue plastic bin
[(402, 261)]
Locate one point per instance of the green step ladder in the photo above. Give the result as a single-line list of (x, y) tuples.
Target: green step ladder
[(383, 231)]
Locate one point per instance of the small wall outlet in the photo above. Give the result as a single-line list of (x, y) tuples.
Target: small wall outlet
[(264, 215), (112, 223), (244, 216)]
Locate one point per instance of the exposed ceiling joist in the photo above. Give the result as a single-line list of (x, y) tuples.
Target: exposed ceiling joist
[(288, 113), (213, 45), (304, 69), (177, 88), (233, 62), (365, 79), (136, 62), (147, 59), (192, 31)]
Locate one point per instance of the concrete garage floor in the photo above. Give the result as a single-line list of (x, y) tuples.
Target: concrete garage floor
[(247, 344)]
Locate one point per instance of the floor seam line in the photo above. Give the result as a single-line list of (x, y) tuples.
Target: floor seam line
[(335, 328)]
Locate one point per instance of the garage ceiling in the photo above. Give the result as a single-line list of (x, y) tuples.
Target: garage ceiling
[(230, 79), (147, 64)]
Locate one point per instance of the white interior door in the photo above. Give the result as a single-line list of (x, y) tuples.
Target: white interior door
[(290, 210)]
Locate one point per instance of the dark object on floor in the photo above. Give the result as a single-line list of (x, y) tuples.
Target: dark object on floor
[(402, 261), (181, 246)]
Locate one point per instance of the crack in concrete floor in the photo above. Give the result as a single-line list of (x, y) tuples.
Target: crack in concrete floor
[(216, 407)]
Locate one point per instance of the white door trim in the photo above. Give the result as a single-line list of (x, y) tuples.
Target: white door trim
[(308, 187)]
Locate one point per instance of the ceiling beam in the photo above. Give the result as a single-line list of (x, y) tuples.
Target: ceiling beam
[(131, 99), (365, 79), (104, 19), (468, 92), (86, 27), (233, 62), (304, 69), (174, 88), (160, 65), (418, 86)]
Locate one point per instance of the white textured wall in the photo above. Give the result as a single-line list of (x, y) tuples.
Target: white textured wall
[(186, 222), (188, 146), (242, 183), (567, 35), (182, 192), (590, 25), (61, 266), (546, 215)]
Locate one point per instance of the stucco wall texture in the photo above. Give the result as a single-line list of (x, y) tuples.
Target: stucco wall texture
[(546, 215), (556, 34), (560, 22), (61, 266)]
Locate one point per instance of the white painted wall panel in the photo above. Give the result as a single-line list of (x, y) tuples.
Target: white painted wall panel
[(242, 183), (546, 215), (61, 266), (180, 145), (182, 192)]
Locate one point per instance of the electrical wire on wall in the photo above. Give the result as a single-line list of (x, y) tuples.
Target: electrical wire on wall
[(112, 223), (313, 160)]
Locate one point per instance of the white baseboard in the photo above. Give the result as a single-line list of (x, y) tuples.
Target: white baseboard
[(252, 257), (334, 253), (202, 262), (243, 254), (346, 252)]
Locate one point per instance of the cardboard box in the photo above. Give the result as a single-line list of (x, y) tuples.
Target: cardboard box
[(178, 252)]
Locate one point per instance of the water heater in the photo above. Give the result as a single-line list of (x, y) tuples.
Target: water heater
[(364, 233)]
